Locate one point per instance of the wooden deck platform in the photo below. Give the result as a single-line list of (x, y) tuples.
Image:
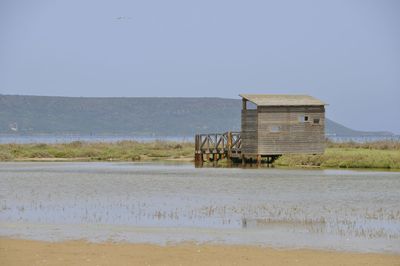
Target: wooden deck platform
[(213, 147)]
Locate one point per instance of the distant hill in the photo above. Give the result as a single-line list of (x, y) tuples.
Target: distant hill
[(334, 128), (136, 116)]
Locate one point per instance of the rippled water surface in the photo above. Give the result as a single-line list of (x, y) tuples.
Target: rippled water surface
[(162, 203)]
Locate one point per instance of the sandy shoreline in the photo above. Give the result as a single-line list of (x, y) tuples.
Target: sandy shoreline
[(30, 252)]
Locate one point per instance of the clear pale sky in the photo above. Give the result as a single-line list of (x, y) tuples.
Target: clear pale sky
[(346, 53)]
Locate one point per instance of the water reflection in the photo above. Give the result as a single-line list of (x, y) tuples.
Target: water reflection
[(292, 204)]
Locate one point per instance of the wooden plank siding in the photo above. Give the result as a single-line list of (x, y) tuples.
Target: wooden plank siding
[(271, 125), (279, 130), (249, 131)]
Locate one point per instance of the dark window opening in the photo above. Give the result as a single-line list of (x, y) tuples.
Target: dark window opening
[(316, 121), (303, 118)]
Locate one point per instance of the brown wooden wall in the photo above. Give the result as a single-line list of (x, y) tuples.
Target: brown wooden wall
[(277, 130), (249, 131), (293, 136)]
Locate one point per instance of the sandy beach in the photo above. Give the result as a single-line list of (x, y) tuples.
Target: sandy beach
[(29, 252)]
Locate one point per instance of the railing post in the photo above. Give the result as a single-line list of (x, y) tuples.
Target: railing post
[(229, 144), (217, 146)]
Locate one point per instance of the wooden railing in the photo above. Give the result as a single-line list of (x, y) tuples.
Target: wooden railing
[(219, 145)]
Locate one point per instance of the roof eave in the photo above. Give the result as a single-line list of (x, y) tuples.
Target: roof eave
[(319, 104)]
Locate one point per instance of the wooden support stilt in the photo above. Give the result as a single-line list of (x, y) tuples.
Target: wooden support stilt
[(198, 160), (215, 159), (270, 160), (258, 159), (198, 156)]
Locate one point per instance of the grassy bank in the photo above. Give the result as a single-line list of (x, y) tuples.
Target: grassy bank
[(379, 154), (86, 151), (384, 154)]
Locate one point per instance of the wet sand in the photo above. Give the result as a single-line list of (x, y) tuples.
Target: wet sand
[(30, 252)]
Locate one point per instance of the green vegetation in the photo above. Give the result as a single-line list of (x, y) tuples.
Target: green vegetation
[(379, 154), (382, 154), (374, 145), (84, 151)]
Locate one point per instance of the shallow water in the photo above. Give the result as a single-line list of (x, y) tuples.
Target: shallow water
[(162, 203)]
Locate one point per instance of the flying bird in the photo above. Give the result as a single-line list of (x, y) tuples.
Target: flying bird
[(123, 18)]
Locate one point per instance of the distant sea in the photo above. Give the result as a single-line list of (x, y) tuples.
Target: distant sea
[(22, 139)]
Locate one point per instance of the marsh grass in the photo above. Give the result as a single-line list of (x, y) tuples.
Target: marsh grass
[(379, 154), (123, 151), (345, 158), (373, 145)]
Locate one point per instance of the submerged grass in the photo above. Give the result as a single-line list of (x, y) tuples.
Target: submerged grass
[(380, 154)]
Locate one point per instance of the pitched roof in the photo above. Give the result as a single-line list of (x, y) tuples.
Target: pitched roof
[(281, 99)]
